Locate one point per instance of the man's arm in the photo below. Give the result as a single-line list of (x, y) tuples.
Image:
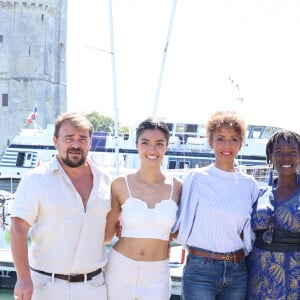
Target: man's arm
[(113, 223), (19, 247)]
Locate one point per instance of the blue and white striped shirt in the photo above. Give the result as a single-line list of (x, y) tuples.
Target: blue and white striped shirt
[(215, 208)]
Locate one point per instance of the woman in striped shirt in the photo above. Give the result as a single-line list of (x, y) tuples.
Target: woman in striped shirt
[(214, 218)]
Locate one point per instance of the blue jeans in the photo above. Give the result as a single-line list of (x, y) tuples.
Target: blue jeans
[(210, 279)]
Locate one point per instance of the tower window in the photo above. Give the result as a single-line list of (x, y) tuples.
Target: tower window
[(4, 99)]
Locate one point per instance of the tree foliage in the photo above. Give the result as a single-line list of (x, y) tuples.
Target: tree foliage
[(104, 123), (100, 122)]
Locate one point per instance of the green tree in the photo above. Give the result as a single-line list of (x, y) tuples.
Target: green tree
[(123, 129), (100, 122), (104, 123)]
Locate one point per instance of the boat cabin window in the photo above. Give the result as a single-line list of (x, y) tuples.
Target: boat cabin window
[(255, 132), (269, 131), (24, 159), (181, 164), (186, 128), (98, 140), (191, 128), (20, 159), (183, 131), (184, 164), (170, 126), (172, 164)]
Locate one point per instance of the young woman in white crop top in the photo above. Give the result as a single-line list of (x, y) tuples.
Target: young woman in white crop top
[(145, 202)]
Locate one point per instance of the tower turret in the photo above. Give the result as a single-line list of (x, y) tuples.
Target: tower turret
[(32, 63)]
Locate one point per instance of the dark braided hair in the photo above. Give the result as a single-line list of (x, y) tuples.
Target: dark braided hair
[(286, 135)]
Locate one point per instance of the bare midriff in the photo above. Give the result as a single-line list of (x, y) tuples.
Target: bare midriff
[(143, 249)]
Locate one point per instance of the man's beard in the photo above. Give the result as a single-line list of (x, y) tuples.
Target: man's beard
[(73, 164)]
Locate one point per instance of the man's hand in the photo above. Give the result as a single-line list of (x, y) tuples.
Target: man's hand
[(23, 289)]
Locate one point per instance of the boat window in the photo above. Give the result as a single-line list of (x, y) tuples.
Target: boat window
[(183, 131), (20, 159), (170, 126), (172, 164), (191, 128), (28, 159), (202, 130), (24, 159), (186, 128), (98, 140), (256, 132), (179, 128), (184, 164), (269, 131)]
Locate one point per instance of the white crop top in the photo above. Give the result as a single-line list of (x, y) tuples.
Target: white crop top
[(139, 221)]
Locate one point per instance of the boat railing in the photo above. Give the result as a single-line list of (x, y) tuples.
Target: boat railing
[(260, 172), (9, 183)]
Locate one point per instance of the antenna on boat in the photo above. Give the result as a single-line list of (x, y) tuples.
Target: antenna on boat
[(164, 60), (236, 98), (116, 109)]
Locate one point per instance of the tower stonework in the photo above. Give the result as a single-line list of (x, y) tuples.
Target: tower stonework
[(32, 64)]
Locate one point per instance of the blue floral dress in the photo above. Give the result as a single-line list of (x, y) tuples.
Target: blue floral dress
[(275, 275)]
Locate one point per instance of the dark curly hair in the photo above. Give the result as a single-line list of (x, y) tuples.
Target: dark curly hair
[(286, 135)]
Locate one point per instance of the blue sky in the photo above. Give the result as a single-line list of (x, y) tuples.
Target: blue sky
[(214, 47)]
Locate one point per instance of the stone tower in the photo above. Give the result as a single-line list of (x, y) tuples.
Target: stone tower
[(32, 64)]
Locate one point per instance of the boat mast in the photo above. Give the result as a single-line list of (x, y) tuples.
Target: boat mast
[(154, 114), (116, 108)]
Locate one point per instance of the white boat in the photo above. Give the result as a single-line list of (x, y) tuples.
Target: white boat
[(188, 148), (5, 201)]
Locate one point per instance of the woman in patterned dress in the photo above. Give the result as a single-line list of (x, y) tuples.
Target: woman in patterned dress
[(274, 264)]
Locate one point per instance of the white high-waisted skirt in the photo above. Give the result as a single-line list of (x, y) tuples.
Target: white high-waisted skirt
[(129, 279)]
